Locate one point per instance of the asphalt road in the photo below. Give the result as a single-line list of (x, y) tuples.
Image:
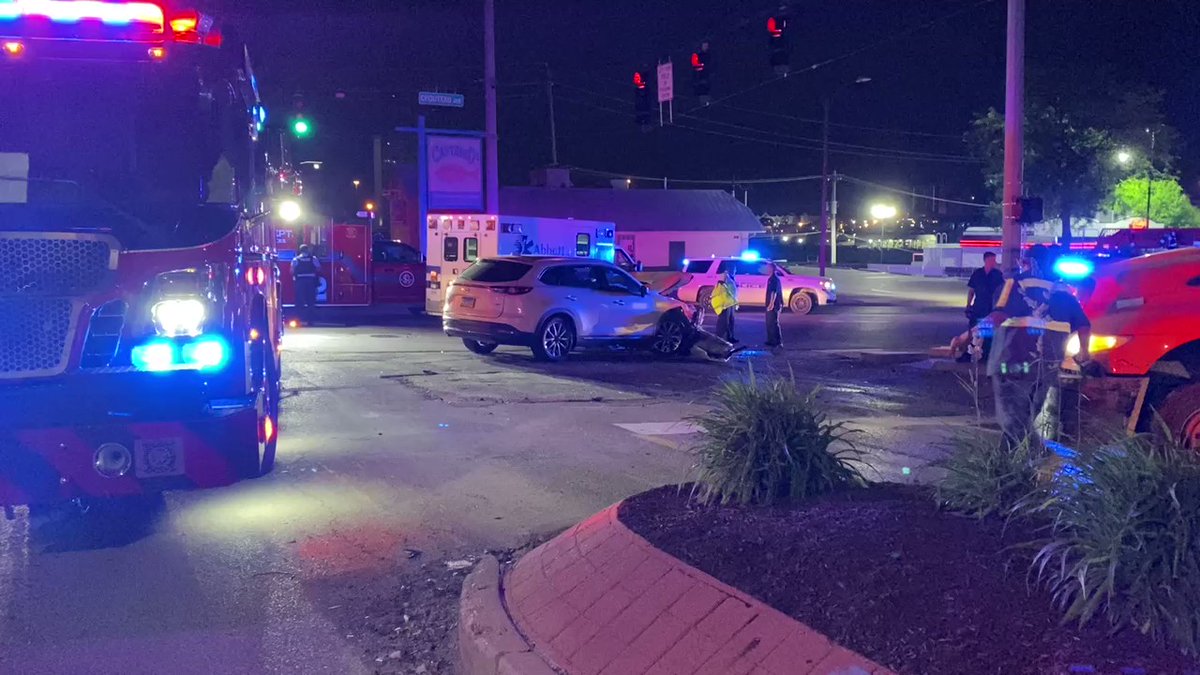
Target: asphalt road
[(400, 448)]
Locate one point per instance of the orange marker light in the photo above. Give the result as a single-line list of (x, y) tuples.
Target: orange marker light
[(14, 48), (268, 429), (185, 24), (157, 53), (254, 335), (293, 324)]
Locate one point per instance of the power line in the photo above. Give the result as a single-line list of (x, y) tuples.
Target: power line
[(909, 193), (771, 181), (809, 120), (832, 150), (798, 141)]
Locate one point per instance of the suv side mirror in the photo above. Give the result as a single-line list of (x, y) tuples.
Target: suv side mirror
[(645, 290), (639, 266)]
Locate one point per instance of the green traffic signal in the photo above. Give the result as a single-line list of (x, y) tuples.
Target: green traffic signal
[(301, 128)]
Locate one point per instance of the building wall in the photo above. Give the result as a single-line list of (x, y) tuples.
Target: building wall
[(653, 248)]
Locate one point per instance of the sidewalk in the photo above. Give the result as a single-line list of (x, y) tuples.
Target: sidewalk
[(600, 600)]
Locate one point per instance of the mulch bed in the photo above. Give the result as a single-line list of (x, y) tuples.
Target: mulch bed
[(883, 572)]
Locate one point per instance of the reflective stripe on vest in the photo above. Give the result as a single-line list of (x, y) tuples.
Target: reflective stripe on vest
[(1035, 322)]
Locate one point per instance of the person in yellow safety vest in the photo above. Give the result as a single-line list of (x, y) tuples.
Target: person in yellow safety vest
[(725, 304), (1032, 322)]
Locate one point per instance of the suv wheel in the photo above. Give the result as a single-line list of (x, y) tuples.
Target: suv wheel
[(555, 340), (670, 337), (1180, 411), (480, 347), (704, 297), (801, 303)]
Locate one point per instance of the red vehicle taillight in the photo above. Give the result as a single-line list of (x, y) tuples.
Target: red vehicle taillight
[(511, 290)]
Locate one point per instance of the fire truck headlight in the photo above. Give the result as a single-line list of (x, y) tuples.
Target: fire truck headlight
[(179, 317), (1097, 343)]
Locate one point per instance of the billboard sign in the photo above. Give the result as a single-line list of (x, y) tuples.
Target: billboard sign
[(455, 166)]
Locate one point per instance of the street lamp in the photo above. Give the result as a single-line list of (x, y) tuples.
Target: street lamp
[(315, 165), (1124, 157), (882, 213), (828, 204), (356, 182), (1150, 172)]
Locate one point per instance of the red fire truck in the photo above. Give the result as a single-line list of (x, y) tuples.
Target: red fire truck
[(1145, 315), (139, 349)]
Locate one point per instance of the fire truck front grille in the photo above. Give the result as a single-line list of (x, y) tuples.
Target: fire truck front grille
[(49, 265), (35, 336)]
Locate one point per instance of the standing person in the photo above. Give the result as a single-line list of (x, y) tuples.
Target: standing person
[(306, 270), (774, 306), (1034, 318), (982, 288), (725, 304)]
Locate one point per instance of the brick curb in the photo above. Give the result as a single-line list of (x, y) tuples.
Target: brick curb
[(601, 600), (488, 642)]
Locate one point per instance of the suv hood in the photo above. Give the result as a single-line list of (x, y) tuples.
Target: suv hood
[(664, 283)]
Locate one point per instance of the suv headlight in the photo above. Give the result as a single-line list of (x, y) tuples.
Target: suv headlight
[(179, 317)]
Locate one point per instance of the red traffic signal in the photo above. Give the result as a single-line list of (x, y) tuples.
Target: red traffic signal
[(697, 62), (639, 80), (776, 26)]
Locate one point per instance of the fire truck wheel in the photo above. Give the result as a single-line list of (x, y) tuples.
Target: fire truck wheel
[(1180, 411), (480, 347)]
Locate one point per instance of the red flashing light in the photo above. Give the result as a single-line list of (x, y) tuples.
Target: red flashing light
[(268, 429), (775, 26), (66, 11), (14, 48), (255, 276), (639, 81)]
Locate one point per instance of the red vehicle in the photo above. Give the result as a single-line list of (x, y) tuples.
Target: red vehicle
[(1145, 315), (397, 274), (139, 346)]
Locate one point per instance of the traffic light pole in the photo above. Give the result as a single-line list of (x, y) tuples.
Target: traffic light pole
[(833, 219), (553, 129), (1014, 116)]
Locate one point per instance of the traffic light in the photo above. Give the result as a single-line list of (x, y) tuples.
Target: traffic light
[(641, 97), (701, 69), (777, 43), (301, 127)]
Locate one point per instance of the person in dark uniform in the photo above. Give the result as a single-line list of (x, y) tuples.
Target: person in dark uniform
[(982, 288), (306, 272), (1033, 320), (774, 306)]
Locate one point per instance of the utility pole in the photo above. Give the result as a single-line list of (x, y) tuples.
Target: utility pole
[(1014, 118), (823, 245), (833, 219), (553, 129), (491, 146)]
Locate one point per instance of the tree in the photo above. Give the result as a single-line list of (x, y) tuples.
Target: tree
[(1169, 204), (1076, 120)]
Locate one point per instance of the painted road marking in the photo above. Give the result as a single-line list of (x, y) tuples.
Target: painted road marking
[(680, 428)]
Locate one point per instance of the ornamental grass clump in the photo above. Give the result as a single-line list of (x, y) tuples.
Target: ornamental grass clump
[(984, 476), (766, 442), (1124, 540)]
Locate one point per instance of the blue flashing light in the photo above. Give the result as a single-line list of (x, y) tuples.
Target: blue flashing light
[(1071, 267), (155, 356), (686, 262), (207, 353), (750, 256)]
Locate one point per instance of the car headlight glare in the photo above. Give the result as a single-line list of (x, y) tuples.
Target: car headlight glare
[(1096, 343), (179, 317)]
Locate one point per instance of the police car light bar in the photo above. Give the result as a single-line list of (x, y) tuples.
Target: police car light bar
[(76, 11)]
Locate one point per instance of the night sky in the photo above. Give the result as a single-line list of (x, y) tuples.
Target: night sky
[(933, 64)]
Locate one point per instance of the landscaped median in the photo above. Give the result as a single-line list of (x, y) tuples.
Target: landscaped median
[(783, 558)]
